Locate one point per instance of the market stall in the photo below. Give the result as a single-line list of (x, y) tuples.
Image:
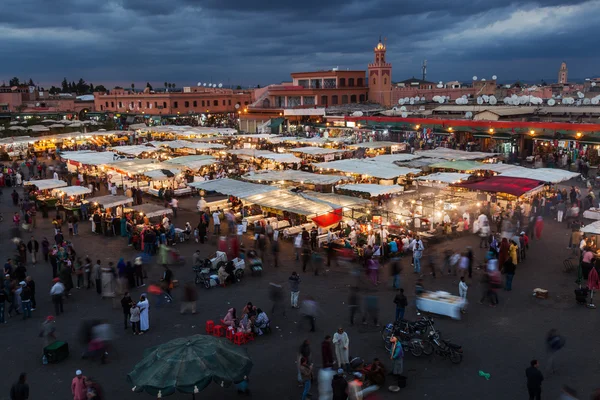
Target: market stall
[(148, 210), (71, 200), (372, 190), (516, 187), (451, 154), (367, 169), (40, 190), (441, 303), (441, 179), (294, 176)]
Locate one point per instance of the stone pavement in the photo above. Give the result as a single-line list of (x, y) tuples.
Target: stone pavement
[(500, 341)]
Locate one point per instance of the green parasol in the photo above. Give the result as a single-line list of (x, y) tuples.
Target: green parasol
[(189, 365)]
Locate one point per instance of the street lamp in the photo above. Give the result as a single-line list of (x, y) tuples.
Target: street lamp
[(491, 131), (578, 135)]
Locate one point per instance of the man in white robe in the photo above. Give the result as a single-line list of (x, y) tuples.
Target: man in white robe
[(144, 305)]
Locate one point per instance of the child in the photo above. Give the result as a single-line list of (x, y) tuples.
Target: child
[(135, 319), (462, 290)]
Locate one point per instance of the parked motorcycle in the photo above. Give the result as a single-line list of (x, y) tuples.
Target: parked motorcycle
[(445, 348), (409, 334)]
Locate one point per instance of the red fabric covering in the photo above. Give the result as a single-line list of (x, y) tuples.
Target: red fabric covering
[(503, 184), (328, 219)]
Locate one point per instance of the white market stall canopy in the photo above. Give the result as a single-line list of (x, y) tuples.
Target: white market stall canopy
[(382, 170), (44, 184), (192, 162), (375, 145), (110, 201), (550, 175), (291, 202), (336, 200), (463, 165), (161, 174), (294, 176), (258, 136), (88, 157), (204, 131), (17, 140), (450, 154), (134, 150), (149, 210), (231, 187), (444, 177), (391, 158), (593, 228), (316, 151), (184, 144), (372, 189), (277, 157), (71, 191)]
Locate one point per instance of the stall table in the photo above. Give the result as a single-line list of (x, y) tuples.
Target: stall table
[(294, 230), (592, 213), (441, 304)]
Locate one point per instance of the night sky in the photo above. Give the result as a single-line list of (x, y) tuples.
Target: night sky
[(261, 41)]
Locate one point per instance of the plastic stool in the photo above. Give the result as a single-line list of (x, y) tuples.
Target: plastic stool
[(219, 330), (239, 338), (210, 324), (229, 333)]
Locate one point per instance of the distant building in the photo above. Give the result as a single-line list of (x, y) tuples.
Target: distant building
[(563, 74)]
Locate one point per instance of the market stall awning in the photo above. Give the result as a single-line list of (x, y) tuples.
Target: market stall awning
[(71, 191), (503, 184), (451, 154), (328, 219), (87, 157), (149, 210), (375, 145), (231, 187), (336, 200), (461, 165), (444, 177), (44, 184), (295, 176), (135, 166), (550, 175), (372, 189), (135, 150), (110, 201), (391, 158), (192, 162), (161, 174), (316, 151), (184, 144), (382, 170), (284, 200)]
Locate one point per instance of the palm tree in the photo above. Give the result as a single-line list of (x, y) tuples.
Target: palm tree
[(166, 86), (133, 87)]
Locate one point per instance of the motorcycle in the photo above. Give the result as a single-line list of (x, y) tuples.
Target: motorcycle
[(445, 348), (206, 272), (409, 334)]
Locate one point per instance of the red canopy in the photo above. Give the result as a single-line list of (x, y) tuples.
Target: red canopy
[(503, 184), (331, 218)]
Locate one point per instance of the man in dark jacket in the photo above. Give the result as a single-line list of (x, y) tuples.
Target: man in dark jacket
[(31, 285), (327, 352), (401, 302), (33, 247), (534, 381), (20, 389), (339, 386)]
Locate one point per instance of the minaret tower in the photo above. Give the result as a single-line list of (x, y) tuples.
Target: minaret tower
[(380, 77)]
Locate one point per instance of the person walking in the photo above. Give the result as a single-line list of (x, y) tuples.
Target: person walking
[(341, 341), (303, 352), (45, 248), (554, 342), (353, 303), (78, 388), (417, 255), (534, 380), (462, 291), (510, 266), (395, 270), (309, 312), (97, 275), (174, 206), (327, 352), (134, 311), (143, 305), (20, 389), (306, 372), (401, 302), (33, 247), (189, 299), (167, 280), (57, 291), (294, 281), (276, 297), (25, 299), (339, 385), (217, 221)]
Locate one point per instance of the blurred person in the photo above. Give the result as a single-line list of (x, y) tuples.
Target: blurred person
[(306, 372), (20, 389), (353, 303), (395, 271), (371, 310), (554, 342), (309, 312), (397, 357), (276, 297), (48, 330), (189, 298), (339, 384), (462, 292), (401, 303), (93, 389), (294, 281), (327, 352), (325, 378), (57, 292), (134, 319)]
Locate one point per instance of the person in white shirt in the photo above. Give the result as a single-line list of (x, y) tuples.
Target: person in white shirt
[(57, 291), (113, 190), (582, 244), (217, 221), (462, 291), (165, 222), (201, 204), (417, 248), (55, 175), (174, 205), (371, 239)]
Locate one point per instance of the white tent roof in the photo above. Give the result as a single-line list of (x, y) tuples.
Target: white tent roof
[(135, 150), (293, 176), (149, 210), (181, 144), (382, 170), (231, 187), (444, 177), (192, 162), (288, 201), (315, 151), (372, 189), (71, 191), (254, 136), (450, 154), (249, 152), (390, 158), (110, 201), (550, 175), (159, 175), (56, 126), (335, 200), (91, 157), (44, 184), (373, 145), (278, 157), (593, 228)]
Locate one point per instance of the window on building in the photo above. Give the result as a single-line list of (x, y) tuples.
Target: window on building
[(147, 104), (245, 103), (342, 82), (164, 104), (101, 107), (139, 104), (120, 105), (106, 104), (224, 102), (195, 103), (359, 82), (323, 100), (353, 98), (175, 105), (216, 103), (334, 100), (385, 81), (351, 82), (229, 102), (155, 104), (345, 99), (203, 103), (374, 81), (186, 104), (361, 98), (112, 104)]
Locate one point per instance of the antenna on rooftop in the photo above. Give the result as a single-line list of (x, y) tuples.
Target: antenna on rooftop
[(424, 68)]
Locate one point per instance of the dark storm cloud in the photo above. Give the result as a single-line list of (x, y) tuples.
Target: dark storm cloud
[(262, 41)]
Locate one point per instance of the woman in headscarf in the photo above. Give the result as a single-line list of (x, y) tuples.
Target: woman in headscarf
[(230, 318), (503, 254)]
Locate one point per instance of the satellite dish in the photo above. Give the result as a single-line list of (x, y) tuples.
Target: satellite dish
[(509, 101), (441, 100), (401, 101), (435, 98), (358, 113), (578, 103), (479, 100), (507, 86), (586, 102), (587, 79), (468, 114), (580, 95), (505, 100), (493, 100), (440, 82), (482, 79), (439, 85), (412, 101), (464, 96), (474, 77), (485, 98), (458, 101), (199, 83), (220, 85), (494, 77), (514, 97), (204, 84), (595, 101), (404, 114), (394, 109), (551, 102), (406, 99), (593, 83), (403, 108), (237, 106)]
